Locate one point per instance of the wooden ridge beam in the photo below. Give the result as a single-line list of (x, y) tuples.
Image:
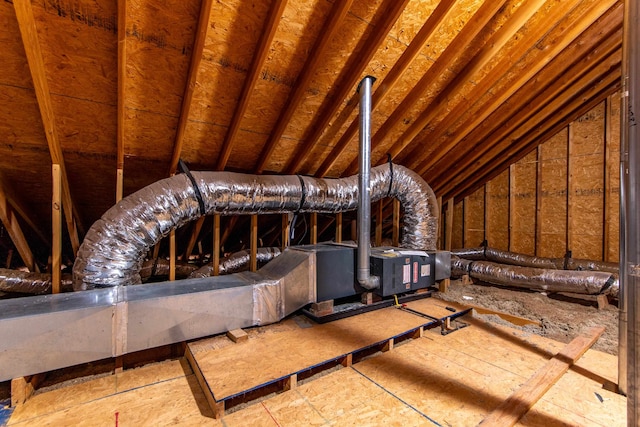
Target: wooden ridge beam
[(509, 117), (489, 51), (336, 16), (347, 80), (29, 34), (577, 108), (389, 82), (122, 73), (257, 63), (552, 45), (480, 19), (11, 224)]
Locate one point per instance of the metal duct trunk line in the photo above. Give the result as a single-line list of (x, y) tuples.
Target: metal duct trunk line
[(113, 249), (237, 261)]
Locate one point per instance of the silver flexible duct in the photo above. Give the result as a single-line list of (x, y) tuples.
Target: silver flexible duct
[(161, 267), (365, 279), (30, 283), (579, 282), (113, 249), (513, 258), (237, 261)]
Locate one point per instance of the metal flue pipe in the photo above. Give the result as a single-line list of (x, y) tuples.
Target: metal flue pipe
[(365, 279), (631, 196)]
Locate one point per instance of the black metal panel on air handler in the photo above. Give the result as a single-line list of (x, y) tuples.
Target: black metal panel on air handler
[(335, 271)]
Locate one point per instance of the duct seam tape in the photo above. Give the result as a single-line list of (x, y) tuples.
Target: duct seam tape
[(120, 318)]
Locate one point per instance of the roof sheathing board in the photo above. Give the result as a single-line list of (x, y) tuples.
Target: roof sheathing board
[(159, 40), (454, 22), (528, 62), (337, 60), (525, 57), (299, 29)]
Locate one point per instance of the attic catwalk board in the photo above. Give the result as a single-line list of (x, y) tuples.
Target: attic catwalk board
[(456, 379), (293, 354)]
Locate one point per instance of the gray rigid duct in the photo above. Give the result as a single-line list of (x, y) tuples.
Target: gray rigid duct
[(365, 279), (114, 247), (46, 332)]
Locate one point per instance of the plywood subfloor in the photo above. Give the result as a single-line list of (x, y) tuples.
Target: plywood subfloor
[(272, 357), (455, 379)]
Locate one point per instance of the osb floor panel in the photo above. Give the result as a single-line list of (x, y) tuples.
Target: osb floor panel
[(315, 345), (455, 380)]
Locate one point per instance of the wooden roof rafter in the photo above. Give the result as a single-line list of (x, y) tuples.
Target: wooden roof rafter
[(257, 63), (513, 150), (19, 208), (585, 71), (10, 221), (489, 51), (392, 13), (194, 65), (476, 23), (334, 20), (581, 109), (28, 31), (421, 160), (389, 82)]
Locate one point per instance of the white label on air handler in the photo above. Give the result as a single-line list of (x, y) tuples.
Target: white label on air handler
[(425, 270), (406, 273)]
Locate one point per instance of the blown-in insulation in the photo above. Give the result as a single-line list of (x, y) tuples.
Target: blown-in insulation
[(113, 249), (237, 261)]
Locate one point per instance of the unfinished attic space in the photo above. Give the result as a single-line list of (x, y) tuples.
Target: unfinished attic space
[(319, 212)]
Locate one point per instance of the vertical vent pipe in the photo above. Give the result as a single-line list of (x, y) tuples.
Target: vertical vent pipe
[(365, 279)]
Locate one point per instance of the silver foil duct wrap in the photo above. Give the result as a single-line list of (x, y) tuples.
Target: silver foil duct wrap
[(459, 266), (160, 267), (113, 249), (469, 253), (30, 283), (237, 261), (579, 282), (588, 265), (512, 258)]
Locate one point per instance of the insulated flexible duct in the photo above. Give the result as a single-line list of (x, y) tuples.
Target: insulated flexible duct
[(237, 261), (113, 249), (30, 283), (160, 267), (580, 282), (513, 258)]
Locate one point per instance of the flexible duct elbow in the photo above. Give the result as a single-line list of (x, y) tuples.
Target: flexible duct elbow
[(113, 249)]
